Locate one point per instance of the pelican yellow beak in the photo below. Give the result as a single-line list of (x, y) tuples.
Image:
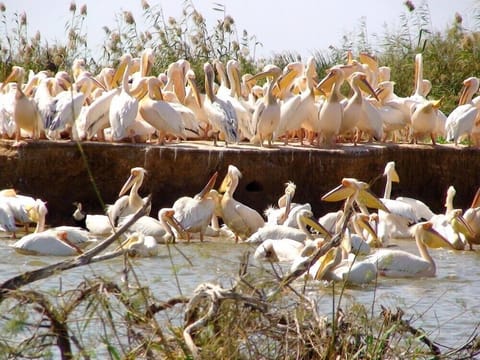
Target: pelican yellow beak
[(363, 222), (315, 225), (432, 238), (13, 76), (326, 84), (172, 221), (208, 187), (351, 186), (193, 84), (369, 60), (367, 88), (129, 241), (224, 185), (328, 260), (460, 225), (120, 70), (128, 184), (390, 170)]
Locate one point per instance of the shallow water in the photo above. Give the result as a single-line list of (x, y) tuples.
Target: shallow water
[(446, 306)]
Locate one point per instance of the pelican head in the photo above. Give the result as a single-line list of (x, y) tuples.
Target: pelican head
[(16, 75), (233, 175), (391, 172), (429, 236), (167, 215), (136, 177)]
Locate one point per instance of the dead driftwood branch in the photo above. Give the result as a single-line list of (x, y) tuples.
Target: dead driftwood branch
[(215, 294), (88, 257)]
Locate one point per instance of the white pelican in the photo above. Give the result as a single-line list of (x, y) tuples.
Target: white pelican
[(395, 223), (400, 263), (266, 116), (195, 213), (23, 208), (123, 106), (25, 110), (416, 210), (472, 218), (281, 250), (331, 113), (462, 119), (7, 220), (355, 190), (47, 243), (280, 214), (96, 115), (161, 114), (240, 218), (7, 102), (394, 110), (140, 245), (278, 232), (96, 224), (298, 110), (359, 113), (68, 105), (424, 120), (221, 114), (194, 100), (243, 109), (128, 204), (334, 267)]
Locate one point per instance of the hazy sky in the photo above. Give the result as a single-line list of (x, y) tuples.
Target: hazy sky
[(302, 26)]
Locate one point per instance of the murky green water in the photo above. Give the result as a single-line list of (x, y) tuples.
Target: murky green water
[(446, 306)]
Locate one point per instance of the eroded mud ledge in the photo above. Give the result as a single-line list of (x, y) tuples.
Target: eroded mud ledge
[(64, 172)]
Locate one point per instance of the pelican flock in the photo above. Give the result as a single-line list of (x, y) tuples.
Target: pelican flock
[(273, 108), (371, 249)]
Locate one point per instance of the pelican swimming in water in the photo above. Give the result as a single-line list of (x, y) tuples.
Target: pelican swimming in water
[(195, 213), (96, 224), (164, 230), (128, 204), (240, 218), (334, 267), (400, 263), (280, 231), (283, 250), (47, 243), (140, 245)]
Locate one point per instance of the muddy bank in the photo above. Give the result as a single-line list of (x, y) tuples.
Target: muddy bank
[(93, 173)]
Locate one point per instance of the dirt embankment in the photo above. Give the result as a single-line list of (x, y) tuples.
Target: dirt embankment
[(93, 173)]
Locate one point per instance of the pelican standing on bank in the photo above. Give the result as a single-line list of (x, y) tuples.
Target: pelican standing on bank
[(25, 110), (123, 106), (240, 218), (161, 114), (266, 116), (221, 114), (330, 115)]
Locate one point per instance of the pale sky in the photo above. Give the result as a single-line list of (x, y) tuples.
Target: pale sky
[(301, 26)]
